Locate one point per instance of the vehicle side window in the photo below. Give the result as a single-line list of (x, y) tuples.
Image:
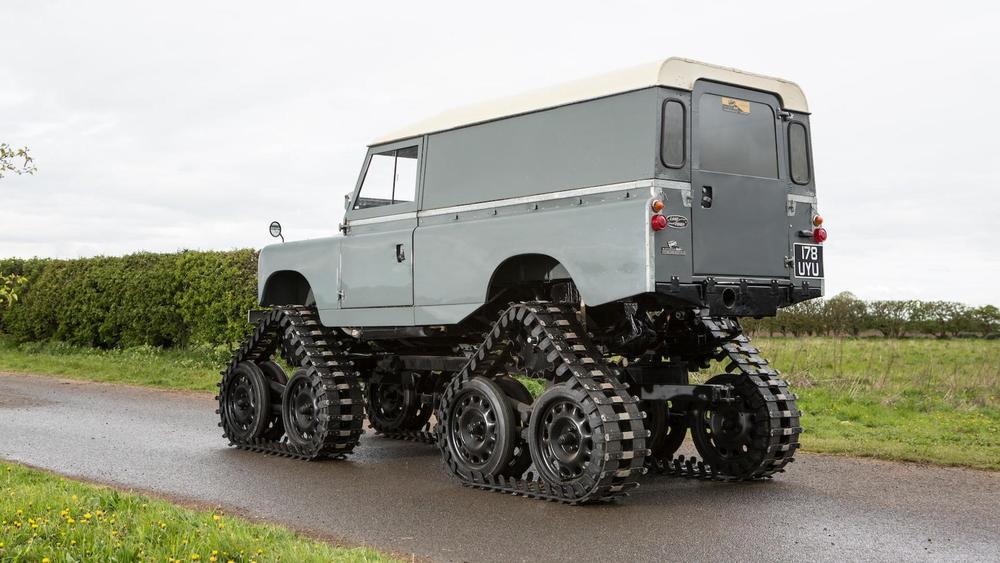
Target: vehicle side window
[(672, 134), (798, 153), (391, 178)]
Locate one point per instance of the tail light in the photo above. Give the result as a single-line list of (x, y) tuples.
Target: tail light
[(818, 220), (819, 234), (658, 222), (656, 206)]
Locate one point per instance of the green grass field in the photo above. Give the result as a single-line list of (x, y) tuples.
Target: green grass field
[(925, 400), (51, 519)]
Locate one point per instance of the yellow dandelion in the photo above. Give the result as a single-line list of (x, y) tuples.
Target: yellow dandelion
[(216, 517), (212, 559), (88, 516), (72, 542), (195, 557), (74, 498), (45, 560)]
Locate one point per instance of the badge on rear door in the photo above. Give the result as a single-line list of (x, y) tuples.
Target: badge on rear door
[(808, 260)]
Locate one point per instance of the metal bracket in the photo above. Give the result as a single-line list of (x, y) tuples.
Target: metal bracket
[(708, 395)]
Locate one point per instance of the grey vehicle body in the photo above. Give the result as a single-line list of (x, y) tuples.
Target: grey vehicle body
[(558, 185)]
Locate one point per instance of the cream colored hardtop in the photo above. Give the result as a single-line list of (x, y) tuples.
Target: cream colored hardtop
[(673, 72)]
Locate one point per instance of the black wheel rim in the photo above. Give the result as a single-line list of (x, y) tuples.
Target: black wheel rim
[(567, 440), (388, 402), (729, 431), (302, 404), (241, 403), (473, 432)]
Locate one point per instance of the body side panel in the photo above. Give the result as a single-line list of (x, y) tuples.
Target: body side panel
[(601, 240), (602, 141)]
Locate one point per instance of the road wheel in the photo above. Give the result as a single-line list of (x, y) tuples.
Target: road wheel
[(733, 437), (395, 407), (667, 428), (563, 434), (307, 410), (245, 403), (516, 391), (480, 428), (277, 380)]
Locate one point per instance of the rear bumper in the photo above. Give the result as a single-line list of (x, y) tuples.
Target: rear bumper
[(741, 299)]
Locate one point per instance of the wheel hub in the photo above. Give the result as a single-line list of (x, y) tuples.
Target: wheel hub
[(567, 439), (242, 406), (474, 427), (304, 409)]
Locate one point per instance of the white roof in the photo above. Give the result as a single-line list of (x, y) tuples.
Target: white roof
[(673, 72)]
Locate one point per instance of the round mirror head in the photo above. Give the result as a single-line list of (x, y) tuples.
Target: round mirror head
[(275, 229)]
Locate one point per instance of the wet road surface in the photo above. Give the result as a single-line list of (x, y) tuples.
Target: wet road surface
[(395, 496)]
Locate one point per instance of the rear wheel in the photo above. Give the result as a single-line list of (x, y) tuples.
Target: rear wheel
[(733, 437), (564, 431), (480, 429), (667, 428)]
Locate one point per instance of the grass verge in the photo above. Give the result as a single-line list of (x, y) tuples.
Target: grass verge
[(926, 400), (52, 519)]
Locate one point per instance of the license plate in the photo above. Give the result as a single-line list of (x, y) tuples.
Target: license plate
[(808, 261)]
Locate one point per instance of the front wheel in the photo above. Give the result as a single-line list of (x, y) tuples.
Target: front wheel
[(245, 403)]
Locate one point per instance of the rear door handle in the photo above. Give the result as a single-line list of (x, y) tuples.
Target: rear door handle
[(400, 253), (706, 197)]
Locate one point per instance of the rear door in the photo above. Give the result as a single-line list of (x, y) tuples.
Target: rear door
[(739, 216)]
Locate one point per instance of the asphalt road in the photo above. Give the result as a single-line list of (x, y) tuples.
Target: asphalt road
[(395, 496)]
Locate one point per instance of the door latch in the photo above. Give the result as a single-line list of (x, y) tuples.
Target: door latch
[(400, 253)]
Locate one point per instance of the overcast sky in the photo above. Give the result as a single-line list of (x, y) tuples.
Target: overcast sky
[(194, 124)]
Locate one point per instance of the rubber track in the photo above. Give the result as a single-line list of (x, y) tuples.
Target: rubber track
[(574, 359), (784, 436), (305, 342), (732, 345)]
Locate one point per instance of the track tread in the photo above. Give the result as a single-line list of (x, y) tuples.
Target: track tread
[(297, 334)]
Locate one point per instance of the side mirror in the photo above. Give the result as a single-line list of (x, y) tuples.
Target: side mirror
[(347, 201), (276, 230)]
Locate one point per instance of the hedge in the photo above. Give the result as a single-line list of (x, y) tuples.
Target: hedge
[(192, 298), (166, 300)]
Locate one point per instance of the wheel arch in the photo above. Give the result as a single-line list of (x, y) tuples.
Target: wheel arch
[(286, 287), (523, 269)]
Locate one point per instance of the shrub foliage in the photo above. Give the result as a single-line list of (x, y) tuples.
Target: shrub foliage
[(141, 299), (202, 298)]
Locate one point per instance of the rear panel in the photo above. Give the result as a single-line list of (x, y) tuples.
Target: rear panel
[(742, 200)]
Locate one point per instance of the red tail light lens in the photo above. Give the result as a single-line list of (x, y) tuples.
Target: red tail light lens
[(658, 222), (819, 234)]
